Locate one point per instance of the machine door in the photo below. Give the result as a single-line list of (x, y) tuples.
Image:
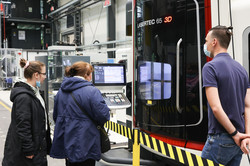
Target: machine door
[(167, 43)]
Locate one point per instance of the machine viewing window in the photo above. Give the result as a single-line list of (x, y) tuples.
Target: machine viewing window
[(109, 74), (155, 80)]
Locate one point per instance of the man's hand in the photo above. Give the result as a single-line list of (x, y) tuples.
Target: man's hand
[(30, 157), (245, 145), (239, 137)]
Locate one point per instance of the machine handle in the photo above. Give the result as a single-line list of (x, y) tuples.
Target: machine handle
[(178, 75), (199, 60)]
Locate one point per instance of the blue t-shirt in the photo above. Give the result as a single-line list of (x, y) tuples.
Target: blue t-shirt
[(232, 82)]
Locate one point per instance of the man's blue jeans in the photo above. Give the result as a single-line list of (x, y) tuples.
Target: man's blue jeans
[(222, 149)]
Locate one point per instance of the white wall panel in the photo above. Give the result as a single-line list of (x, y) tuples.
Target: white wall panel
[(121, 19), (63, 23), (62, 2), (240, 22)]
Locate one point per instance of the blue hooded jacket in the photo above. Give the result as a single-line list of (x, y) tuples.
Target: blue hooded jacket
[(76, 136)]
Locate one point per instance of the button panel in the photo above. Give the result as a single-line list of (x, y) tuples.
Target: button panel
[(116, 99)]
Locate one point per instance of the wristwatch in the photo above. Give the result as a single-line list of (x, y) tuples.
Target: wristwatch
[(234, 133)]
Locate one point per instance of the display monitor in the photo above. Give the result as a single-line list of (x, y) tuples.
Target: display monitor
[(108, 74)]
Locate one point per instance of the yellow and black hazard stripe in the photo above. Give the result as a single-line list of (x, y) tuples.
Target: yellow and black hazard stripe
[(175, 153), (168, 150), (120, 129)]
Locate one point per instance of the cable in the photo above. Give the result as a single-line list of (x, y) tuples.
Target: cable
[(97, 24), (94, 33), (248, 158), (231, 23), (90, 26), (218, 2), (4, 26), (248, 155)]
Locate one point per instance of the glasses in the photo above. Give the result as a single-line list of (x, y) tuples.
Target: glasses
[(42, 73)]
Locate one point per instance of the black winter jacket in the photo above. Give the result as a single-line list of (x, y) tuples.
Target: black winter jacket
[(27, 134)]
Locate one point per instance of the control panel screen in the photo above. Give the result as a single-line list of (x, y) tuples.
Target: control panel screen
[(109, 74)]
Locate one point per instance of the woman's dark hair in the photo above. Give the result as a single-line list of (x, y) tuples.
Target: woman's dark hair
[(31, 67), (79, 69), (223, 34)]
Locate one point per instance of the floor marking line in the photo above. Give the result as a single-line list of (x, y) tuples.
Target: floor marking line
[(5, 106)]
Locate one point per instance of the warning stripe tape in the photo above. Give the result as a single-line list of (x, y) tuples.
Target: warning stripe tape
[(120, 129), (166, 149), (175, 153)]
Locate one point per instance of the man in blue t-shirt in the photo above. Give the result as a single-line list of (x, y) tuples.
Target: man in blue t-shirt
[(228, 94)]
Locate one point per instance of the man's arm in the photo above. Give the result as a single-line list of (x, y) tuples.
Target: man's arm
[(215, 104), (246, 142)]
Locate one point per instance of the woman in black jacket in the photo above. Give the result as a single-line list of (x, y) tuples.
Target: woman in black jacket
[(29, 134)]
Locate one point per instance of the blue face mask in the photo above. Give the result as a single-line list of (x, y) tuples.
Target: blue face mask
[(207, 53), (38, 84)]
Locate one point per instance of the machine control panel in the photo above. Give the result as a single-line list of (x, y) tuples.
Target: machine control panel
[(116, 100)]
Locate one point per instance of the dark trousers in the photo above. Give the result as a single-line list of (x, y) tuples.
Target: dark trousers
[(89, 162)]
